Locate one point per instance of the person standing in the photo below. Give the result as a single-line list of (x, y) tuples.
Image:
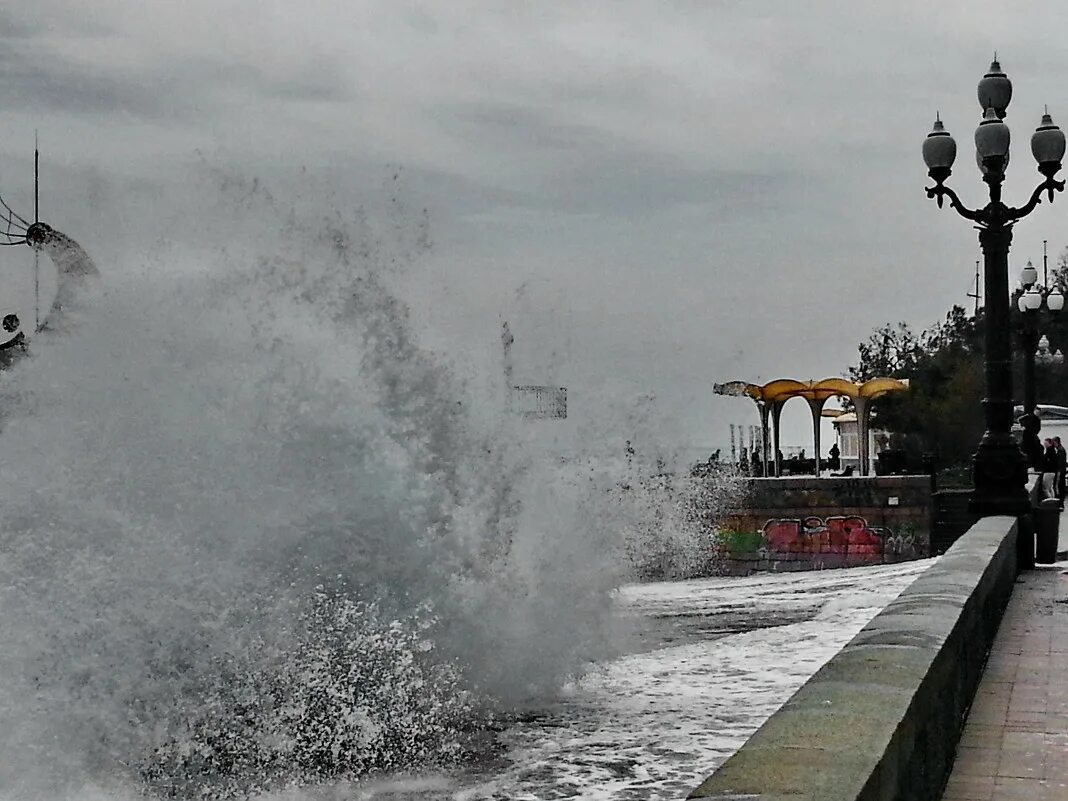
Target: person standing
[(756, 463), (1049, 469), (1062, 463)]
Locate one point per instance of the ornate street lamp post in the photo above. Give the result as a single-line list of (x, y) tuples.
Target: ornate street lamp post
[(1030, 303), (999, 467)]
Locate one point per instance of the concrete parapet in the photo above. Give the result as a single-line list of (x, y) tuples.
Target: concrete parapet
[(881, 720)]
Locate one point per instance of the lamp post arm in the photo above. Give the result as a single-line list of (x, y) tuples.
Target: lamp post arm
[(1050, 185), (941, 189)]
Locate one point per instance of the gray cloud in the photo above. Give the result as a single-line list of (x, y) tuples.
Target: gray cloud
[(46, 83), (700, 180), (579, 169), (60, 64)]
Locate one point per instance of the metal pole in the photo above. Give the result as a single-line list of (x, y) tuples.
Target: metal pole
[(861, 406), (999, 467), (1029, 421), (1045, 272), (776, 411), (1030, 344), (36, 180), (976, 294), (764, 411), (816, 407)]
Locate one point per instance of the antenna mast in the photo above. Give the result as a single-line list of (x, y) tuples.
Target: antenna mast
[(976, 293), (36, 182), (1045, 275), (36, 251)]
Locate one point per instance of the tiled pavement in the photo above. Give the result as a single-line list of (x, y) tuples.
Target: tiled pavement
[(1015, 741)]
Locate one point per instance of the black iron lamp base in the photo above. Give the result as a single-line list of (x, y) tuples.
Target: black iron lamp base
[(999, 471)]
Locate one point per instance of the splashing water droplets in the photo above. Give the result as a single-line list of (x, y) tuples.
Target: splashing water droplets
[(251, 537)]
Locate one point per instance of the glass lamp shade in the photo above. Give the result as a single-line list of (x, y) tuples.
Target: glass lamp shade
[(1047, 142), (995, 90), (1028, 275), (1033, 298), (992, 136), (1055, 300), (939, 148)]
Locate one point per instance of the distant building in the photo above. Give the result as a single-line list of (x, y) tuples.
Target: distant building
[(846, 429), (540, 402), (533, 401)]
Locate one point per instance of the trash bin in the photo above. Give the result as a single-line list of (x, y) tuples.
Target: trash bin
[(1047, 525)]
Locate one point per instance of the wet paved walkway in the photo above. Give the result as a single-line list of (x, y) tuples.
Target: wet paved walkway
[(1015, 741)]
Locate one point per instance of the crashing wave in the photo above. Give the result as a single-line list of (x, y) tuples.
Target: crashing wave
[(256, 535)]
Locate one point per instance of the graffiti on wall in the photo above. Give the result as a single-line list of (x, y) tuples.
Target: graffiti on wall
[(847, 535)]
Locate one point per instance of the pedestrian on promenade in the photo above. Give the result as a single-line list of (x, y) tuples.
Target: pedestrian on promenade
[(1062, 463), (1049, 469)]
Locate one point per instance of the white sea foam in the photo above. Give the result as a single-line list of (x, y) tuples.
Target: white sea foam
[(652, 725)]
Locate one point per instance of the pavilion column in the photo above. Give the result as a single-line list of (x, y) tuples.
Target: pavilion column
[(763, 408), (776, 411), (862, 407), (816, 407)]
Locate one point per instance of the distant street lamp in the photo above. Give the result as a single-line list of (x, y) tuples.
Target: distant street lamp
[(1030, 302), (999, 467), (1044, 357)]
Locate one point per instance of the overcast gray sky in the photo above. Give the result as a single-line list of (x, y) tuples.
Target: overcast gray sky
[(690, 191)]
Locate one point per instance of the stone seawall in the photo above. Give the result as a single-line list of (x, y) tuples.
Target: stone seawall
[(881, 720), (810, 523)]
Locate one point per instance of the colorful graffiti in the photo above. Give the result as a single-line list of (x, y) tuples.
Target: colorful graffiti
[(847, 535)]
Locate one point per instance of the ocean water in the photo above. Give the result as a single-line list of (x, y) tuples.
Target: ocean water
[(707, 662)]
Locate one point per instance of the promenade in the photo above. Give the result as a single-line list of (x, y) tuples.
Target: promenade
[(1015, 740)]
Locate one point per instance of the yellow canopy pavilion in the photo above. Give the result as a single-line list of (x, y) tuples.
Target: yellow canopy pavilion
[(771, 397)]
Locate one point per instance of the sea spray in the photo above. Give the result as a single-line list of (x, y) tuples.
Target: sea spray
[(668, 517), (670, 522), (667, 511), (353, 693), (257, 535), (244, 507)]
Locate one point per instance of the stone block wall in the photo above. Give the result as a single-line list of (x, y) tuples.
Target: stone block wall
[(881, 720), (809, 523)]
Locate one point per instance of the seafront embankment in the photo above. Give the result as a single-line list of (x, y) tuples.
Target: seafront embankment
[(881, 720)]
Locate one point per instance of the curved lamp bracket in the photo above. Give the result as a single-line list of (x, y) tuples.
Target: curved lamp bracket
[(996, 213), (940, 190), (1050, 185)]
